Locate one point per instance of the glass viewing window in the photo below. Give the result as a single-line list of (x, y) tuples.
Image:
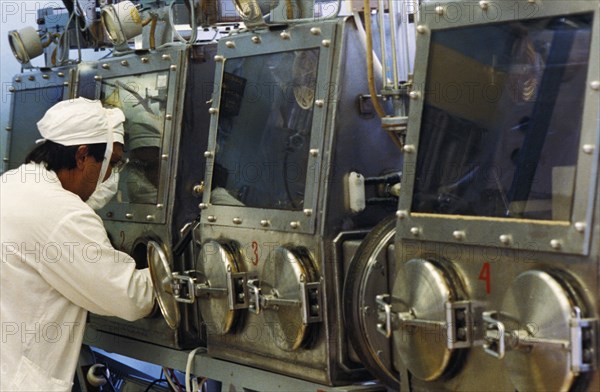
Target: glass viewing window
[(265, 121), (502, 119), (143, 99)]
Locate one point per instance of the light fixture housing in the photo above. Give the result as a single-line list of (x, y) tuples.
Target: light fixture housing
[(25, 44), (122, 22)]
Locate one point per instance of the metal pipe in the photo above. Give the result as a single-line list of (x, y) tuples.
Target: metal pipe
[(370, 74), (393, 27), (405, 40), (381, 15)]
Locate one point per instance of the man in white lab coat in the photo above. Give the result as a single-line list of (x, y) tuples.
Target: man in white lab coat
[(57, 262)]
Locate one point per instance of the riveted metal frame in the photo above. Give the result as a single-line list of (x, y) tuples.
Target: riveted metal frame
[(170, 60), (567, 237), (34, 84), (297, 38)]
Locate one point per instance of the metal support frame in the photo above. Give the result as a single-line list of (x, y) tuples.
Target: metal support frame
[(239, 376)]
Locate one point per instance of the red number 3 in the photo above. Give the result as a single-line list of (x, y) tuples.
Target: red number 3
[(255, 250)]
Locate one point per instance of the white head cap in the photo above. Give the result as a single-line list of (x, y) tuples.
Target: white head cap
[(81, 121)]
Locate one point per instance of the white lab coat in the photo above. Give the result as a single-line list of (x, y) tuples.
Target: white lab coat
[(57, 264)]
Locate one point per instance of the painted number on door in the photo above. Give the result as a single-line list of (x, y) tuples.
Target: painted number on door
[(485, 275), (255, 252)]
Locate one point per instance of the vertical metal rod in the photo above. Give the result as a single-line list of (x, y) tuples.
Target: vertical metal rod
[(381, 15), (405, 41), (393, 26)]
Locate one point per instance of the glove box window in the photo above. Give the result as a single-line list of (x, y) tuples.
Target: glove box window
[(502, 118), (264, 132)]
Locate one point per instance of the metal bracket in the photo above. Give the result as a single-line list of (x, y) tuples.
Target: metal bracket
[(190, 285), (494, 335), (254, 296), (583, 339), (580, 343), (385, 316), (238, 290), (183, 287), (311, 300), (462, 320), (459, 323), (312, 304)]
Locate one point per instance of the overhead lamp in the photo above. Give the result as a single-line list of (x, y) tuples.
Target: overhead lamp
[(25, 44), (251, 13), (122, 22)]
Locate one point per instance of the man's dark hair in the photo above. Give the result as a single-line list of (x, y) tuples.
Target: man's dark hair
[(56, 156)]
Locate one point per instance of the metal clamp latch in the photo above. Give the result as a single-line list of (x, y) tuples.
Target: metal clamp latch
[(190, 285), (462, 321), (310, 302), (493, 340), (254, 296), (459, 323), (182, 287), (580, 343), (238, 290), (386, 319)]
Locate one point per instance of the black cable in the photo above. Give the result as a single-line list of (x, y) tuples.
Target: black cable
[(153, 383), (285, 179)]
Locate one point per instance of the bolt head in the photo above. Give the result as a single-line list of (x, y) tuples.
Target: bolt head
[(506, 239), (409, 148), (458, 234), (401, 214)]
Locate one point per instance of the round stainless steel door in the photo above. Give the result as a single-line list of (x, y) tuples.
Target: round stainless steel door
[(421, 291), (539, 306), (216, 259), (160, 272), (284, 271)]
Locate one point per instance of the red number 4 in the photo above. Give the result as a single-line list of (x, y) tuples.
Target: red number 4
[(485, 274)]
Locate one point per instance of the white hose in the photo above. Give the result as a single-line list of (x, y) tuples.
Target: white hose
[(188, 368), (193, 26)]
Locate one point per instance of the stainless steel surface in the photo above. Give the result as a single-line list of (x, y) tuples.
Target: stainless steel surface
[(128, 84), (368, 277), (523, 273), (282, 276), (341, 141), (272, 43), (190, 121), (481, 230), (213, 264), (160, 271), (234, 376), (31, 95), (422, 290), (537, 304)]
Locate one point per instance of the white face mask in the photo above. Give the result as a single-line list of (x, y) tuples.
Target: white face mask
[(104, 192)]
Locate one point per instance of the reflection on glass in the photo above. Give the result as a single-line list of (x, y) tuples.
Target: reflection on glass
[(265, 121), (143, 99), (502, 118)]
